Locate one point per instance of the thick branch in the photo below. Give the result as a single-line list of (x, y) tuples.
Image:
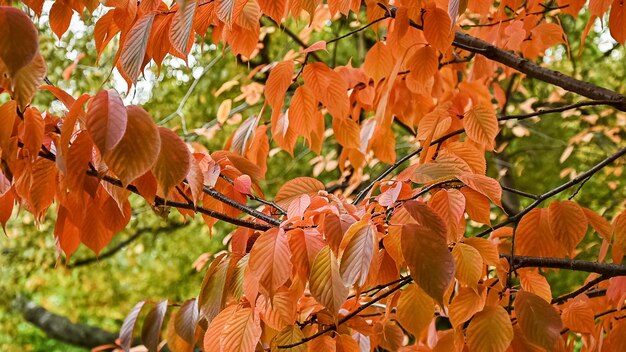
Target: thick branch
[(605, 269), (61, 328), (472, 44)]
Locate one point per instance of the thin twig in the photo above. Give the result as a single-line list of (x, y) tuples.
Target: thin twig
[(354, 313), (580, 290), (521, 193), (585, 175), (113, 250)]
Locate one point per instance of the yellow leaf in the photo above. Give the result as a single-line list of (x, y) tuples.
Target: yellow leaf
[(288, 336), (468, 264), (490, 330), (415, 309), (325, 281)]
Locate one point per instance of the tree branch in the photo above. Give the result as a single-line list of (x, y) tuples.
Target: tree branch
[(361, 195), (472, 44), (112, 251), (605, 269), (554, 110), (580, 290), (351, 315), (246, 209), (578, 179), (62, 329)]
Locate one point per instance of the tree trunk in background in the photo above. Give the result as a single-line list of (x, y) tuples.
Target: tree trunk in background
[(61, 328)]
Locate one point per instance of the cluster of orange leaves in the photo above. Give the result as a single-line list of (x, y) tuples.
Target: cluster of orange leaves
[(327, 257)]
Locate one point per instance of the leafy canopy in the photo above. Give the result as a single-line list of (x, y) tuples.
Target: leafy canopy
[(433, 257)]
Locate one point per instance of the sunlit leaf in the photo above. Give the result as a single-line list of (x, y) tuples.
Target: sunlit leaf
[(325, 281), (490, 330)]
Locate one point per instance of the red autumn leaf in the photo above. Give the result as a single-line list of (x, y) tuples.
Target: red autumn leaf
[(60, 18), (540, 322), (180, 33), (151, 330), (128, 327), (106, 120), (19, 43), (131, 60), (173, 163), (138, 150), (328, 87)]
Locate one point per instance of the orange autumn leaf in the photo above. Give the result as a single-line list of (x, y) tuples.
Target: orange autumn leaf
[(19, 43), (325, 281), (138, 149), (106, 120), (429, 260), (568, 224), (490, 330), (173, 162)]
